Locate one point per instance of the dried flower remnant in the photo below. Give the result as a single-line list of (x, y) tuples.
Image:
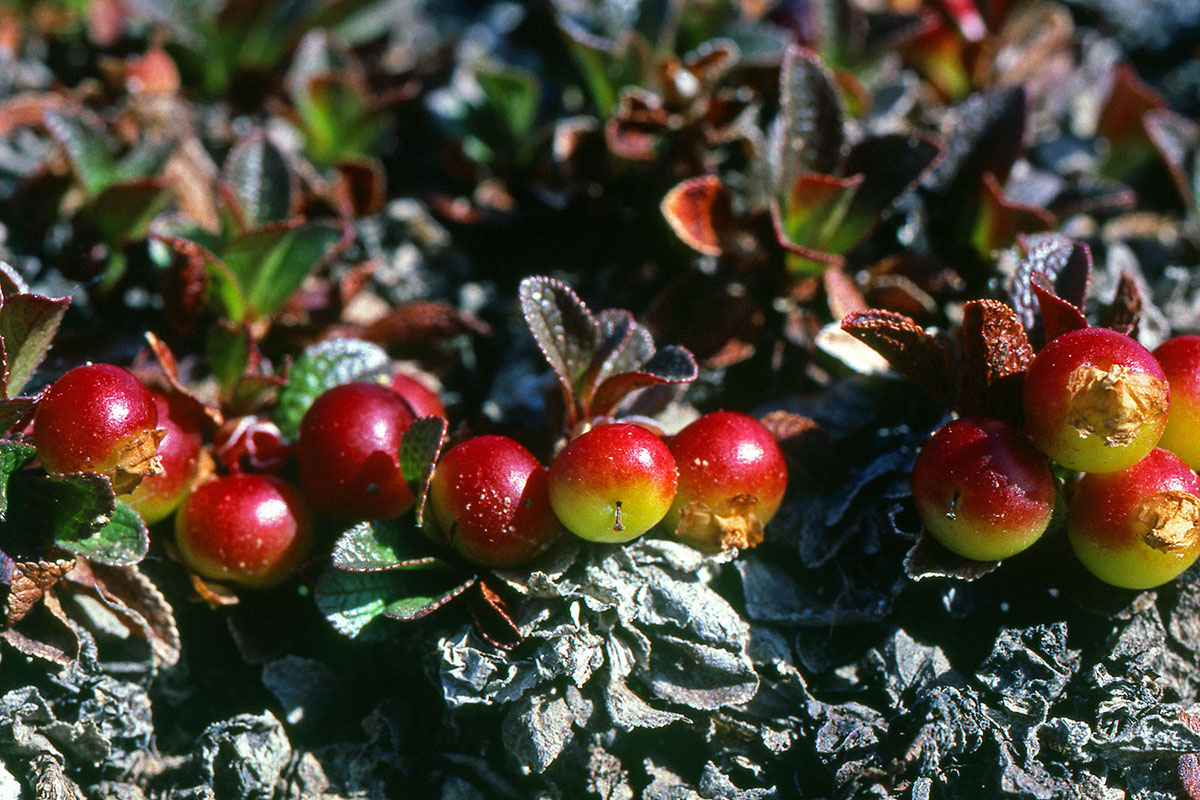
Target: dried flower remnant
[(1168, 521), (1114, 403), (734, 525)]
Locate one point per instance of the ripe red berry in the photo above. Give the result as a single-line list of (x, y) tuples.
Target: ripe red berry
[(423, 401), (732, 476), (253, 530), (613, 483), (348, 451), (1180, 359), (95, 418), (982, 489), (489, 500), (1139, 527), (1095, 400), (158, 495)]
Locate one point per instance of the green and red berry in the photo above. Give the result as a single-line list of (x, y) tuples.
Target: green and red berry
[(179, 453), (732, 477), (982, 489), (98, 418), (348, 452), (613, 483), (1139, 527), (489, 500), (1095, 400), (1180, 359), (251, 530)]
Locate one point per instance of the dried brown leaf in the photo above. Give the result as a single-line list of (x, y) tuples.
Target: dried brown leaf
[(911, 351), (996, 353), (30, 581)]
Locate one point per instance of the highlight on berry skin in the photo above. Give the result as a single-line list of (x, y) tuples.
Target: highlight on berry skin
[(982, 489)]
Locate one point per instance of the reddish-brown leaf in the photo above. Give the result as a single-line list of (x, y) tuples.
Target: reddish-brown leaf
[(1058, 315), (843, 296), (911, 351), (30, 581), (420, 322), (492, 618), (699, 212), (1128, 101), (1001, 220), (1125, 311), (170, 369), (135, 601), (995, 355)]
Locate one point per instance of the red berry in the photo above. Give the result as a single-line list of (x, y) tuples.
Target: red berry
[(253, 530), (613, 483), (158, 495), (1095, 400), (95, 418), (348, 451), (1180, 360), (489, 499), (982, 489), (423, 401), (1139, 527), (732, 476)]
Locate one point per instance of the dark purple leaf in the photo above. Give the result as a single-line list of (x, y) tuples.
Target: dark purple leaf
[(929, 559), (810, 120), (492, 618), (1176, 138), (260, 181), (890, 165), (1067, 265)]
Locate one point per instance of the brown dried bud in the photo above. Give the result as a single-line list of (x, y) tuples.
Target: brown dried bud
[(1115, 403), (733, 525), (1168, 521)]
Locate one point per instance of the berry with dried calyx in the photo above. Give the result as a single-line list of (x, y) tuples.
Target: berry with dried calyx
[(613, 483), (1095, 400), (732, 476), (1180, 360), (252, 530), (490, 502), (348, 452), (179, 452), (98, 418), (982, 490), (1139, 527)]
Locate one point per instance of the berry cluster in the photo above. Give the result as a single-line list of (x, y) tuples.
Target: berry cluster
[(1098, 403)]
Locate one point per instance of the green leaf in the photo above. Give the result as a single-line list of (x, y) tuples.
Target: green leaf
[(228, 354), (144, 161), (260, 179), (419, 449), (86, 149), (338, 118), (122, 542), (564, 329), (351, 600), (323, 366), (123, 211), (271, 263), (28, 323), (13, 456), (375, 546), (513, 95), (67, 507)]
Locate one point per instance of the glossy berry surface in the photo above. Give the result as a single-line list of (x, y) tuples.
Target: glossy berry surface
[(1180, 359), (731, 467), (252, 530), (90, 418), (158, 495), (982, 489), (348, 453), (613, 483), (1095, 400), (423, 401), (1139, 527), (490, 502)]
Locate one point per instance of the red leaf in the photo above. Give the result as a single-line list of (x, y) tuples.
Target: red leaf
[(1001, 220), (1058, 315), (699, 212), (1128, 101)]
